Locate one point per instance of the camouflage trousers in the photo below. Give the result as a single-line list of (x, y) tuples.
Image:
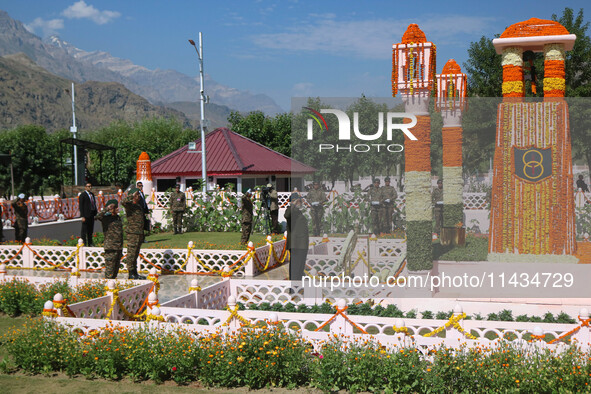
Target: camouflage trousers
[(246, 230), (386, 216), (134, 244), (375, 220), (177, 221), (21, 228), (112, 262), (317, 215)]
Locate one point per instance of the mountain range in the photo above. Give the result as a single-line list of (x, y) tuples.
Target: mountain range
[(37, 72)]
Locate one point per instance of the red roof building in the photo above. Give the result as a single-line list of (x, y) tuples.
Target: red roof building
[(231, 158)]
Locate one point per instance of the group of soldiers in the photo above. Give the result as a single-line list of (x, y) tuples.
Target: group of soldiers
[(382, 202), (113, 231)]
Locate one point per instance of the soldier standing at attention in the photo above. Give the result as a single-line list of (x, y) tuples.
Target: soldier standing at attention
[(21, 224), (246, 212), (388, 200), (374, 196), (316, 198), (135, 231), (298, 240), (438, 206), (177, 208), (113, 230)]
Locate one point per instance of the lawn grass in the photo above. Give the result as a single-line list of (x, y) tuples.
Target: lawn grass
[(203, 240), (476, 249)]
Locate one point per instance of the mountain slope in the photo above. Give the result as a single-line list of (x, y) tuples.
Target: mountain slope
[(167, 86), (32, 95)]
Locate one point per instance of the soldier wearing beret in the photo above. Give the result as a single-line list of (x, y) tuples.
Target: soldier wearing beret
[(388, 198), (135, 230), (178, 205), (113, 231)]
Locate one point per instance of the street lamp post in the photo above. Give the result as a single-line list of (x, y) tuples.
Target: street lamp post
[(202, 101), (73, 130)]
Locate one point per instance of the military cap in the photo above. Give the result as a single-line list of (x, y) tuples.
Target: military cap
[(113, 201)]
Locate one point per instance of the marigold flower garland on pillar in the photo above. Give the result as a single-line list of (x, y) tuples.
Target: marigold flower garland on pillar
[(532, 208), (554, 84), (513, 72), (413, 71), (451, 100)]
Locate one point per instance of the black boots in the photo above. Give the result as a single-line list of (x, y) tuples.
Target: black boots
[(134, 275)]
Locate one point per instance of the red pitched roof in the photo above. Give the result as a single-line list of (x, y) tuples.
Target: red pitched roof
[(228, 153)]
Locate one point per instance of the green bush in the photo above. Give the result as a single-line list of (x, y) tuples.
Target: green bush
[(20, 297), (273, 357)]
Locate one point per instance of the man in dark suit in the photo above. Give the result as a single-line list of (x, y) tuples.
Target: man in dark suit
[(144, 205), (297, 238), (88, 210)]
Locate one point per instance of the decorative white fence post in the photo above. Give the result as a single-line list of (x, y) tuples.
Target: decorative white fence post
[(192, 263), (111, 293), (74, 277), (232, 321), (339, 325), (81, 255), (58, 299), (401, 333), (452, 334), (583, 335), (28, 256), (249, 268), (2, 271)]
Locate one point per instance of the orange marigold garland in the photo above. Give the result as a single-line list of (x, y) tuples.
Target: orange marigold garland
[(452, 146), (417, 153), (534, 27), (532, 217)]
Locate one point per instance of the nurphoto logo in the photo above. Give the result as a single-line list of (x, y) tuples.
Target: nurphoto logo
[(344, 131)]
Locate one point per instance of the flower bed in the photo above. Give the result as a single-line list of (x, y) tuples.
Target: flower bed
[(274, 356)]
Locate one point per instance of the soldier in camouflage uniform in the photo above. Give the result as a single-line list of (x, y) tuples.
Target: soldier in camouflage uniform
[(438, 205), (177, 208), (246, 212), (316, 198), (21, 224), (388, 200), (113, 231), (374, 197), (135, 231)]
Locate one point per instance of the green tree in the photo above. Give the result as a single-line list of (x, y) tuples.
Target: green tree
[(484, 69), (156, 136), (578, 78), (273, 132), (485, 79), (35, 160)]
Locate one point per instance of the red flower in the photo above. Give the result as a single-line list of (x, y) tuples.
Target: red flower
[(173, 369)]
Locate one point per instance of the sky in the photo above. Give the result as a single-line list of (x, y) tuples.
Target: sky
[(283, 49)]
